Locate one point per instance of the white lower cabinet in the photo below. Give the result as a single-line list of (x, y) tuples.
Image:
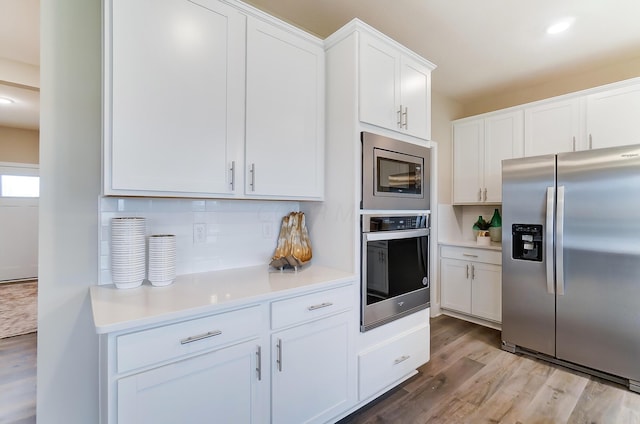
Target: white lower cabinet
[(220, 368), (312, 376), (188, 371), (471, 282), (220, 386), (382, 365), (310, 371)]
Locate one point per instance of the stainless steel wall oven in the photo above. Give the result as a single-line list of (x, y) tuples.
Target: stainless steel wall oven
[(395, 267)]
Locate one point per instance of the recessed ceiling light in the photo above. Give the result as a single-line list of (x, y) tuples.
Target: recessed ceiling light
[(6, 101), (560, 26)]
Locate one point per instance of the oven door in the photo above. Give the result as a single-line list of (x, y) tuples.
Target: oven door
[(395, 275)]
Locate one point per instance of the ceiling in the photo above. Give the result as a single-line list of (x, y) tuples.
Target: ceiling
[(19, 48), (484, 46), (479, 46)]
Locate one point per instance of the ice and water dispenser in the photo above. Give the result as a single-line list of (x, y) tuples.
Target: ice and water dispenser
[(527, 242)]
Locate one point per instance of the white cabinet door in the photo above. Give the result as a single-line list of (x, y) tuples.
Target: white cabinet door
[(174, 88), (415, 98), (503, 139), (455, 277), (468, 147), (479, 146), (612, 117), (393, 359), (220, 386), (552, 128), (486, 291), (395, 89), (310, 378), (379, 83), (285, 113)]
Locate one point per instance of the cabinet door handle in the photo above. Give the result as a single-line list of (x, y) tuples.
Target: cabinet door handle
[(469, 255), (574, 143), (233, 175), (279, 354), (485, 194), (252, 171), (320, 306), (590, 142), (406, 117), (399, 113), (401, 359), (480, 195), (206, 335), (259, 362), (467, 271), (473, 272)]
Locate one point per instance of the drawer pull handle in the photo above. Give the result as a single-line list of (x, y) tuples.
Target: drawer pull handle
[(259, 362), (401, 359), (201, 337), (469, 255), (279, 354), (320, 306)]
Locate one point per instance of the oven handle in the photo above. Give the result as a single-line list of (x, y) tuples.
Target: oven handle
[(396, 235)]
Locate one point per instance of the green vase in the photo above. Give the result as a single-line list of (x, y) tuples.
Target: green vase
[(495, 231), (480, 223), (496, 219)]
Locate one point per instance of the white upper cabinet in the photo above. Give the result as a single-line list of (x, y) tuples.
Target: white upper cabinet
[(172, 95), (395, 88), (285, 113), (552, 127), (503, 139), (479, 147), (613, 117), (468, 161), (205, 99)]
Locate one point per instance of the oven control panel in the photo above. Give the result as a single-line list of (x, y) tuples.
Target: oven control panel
[(373, 224)]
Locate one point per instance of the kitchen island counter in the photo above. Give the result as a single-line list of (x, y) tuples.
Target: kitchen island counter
[(194, 294)]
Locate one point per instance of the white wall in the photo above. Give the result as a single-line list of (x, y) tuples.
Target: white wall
[(444, 111), (67, 380), (239, 233)]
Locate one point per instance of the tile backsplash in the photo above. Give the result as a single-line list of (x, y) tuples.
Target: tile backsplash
[(210, 234)]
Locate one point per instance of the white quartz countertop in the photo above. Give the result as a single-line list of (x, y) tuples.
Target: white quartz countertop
[(120, 309), (470, 243)]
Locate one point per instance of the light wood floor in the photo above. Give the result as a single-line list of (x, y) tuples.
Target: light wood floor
[(469, 379), (18, 379)]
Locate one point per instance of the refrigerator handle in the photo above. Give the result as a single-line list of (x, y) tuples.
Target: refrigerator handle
[(551, 200), (560, 241)]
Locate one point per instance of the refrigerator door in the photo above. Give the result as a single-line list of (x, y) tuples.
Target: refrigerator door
[(598, 280), (528, 299)]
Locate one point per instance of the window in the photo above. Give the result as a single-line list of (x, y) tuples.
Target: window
[(19, 186)]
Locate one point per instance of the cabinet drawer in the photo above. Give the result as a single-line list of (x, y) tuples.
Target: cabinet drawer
[(311, 306), (472, 254), (387, 363), (143, 348)]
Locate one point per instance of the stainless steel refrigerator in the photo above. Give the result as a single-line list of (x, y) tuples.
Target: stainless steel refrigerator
[(571, 260)]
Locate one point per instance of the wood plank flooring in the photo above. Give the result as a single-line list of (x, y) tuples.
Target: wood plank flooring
[(469, 379), (18, 379)]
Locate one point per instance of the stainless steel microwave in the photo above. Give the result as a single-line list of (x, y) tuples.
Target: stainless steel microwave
[(395, 174)]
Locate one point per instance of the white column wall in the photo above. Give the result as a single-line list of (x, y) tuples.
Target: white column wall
[(70, 144)]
